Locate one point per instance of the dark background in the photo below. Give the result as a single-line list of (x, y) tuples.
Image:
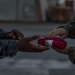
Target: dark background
[(28, 17)]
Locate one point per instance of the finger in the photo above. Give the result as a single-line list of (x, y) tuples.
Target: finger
[(18, 37), (11, 36), (17, 34), (63, 37), (40, 49), (33, 38), (48, 34), (53, 35), (55, 49)]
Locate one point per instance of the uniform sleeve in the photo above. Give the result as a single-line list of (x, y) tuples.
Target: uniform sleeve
[(71, 54), (8, 48), (3, 34), (70, 28)]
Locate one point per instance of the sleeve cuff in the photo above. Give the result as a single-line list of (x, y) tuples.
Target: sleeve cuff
[(71, 54), (8, 48), (67, 28), (12, 47)]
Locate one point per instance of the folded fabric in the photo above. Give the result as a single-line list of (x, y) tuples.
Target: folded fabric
[(53, 42)]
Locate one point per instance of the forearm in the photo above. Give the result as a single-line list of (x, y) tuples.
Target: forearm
[(8, 48), (70, 28)]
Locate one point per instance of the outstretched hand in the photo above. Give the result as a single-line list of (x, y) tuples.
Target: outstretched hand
[(62, 32), (26, 45)]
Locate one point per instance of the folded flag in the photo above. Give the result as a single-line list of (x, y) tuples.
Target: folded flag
[(53, 42)]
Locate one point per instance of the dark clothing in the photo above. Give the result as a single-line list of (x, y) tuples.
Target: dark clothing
[(71, 34), (70, 28), (7, 47)]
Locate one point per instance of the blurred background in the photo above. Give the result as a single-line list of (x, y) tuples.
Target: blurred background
[(33, 17)]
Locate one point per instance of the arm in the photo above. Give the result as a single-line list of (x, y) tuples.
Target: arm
[(10, 47), (70, 28), (71, 54)]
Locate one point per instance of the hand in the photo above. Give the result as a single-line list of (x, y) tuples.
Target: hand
[(15, 34), (64, 51), (62, 32), (26, 45)]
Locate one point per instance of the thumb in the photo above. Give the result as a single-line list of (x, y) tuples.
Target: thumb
[(63, 36), (33, 38)]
